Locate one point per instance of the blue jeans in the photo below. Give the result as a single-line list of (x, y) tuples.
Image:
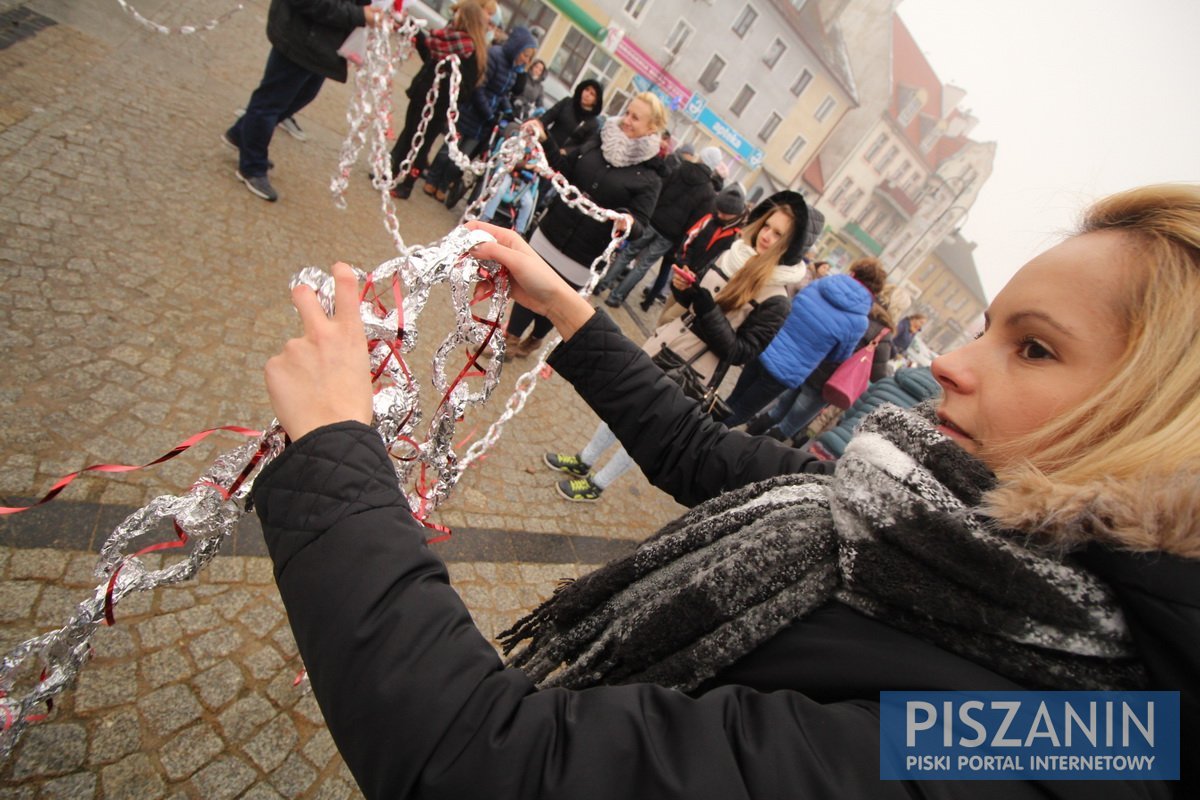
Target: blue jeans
[(755, 388), (524, 203), (795, 409), (285, 88), (643, 253)]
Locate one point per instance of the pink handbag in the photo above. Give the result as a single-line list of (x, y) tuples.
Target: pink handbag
[(852, 376)]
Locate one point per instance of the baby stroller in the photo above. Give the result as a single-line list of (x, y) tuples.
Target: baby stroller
[(513, 204), (470, 184)]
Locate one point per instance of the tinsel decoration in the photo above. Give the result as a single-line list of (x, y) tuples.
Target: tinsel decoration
[(39, 669)]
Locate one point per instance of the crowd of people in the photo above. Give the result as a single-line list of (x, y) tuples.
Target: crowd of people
[(683, 216), (1033, 527)]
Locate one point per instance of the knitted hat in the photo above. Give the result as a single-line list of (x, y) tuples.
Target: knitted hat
[(711, 156), (731, 200), (685, 150)]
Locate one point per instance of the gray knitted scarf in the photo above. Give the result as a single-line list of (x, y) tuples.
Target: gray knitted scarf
[(621, 151), (894, 534)]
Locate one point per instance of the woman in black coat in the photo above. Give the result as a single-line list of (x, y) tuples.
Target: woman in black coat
[(617, 169), (463, 37), (1036, 530)]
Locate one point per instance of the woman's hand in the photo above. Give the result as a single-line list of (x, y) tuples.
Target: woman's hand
[(324, 376), (683, 278), (532, 125), (534, 284)]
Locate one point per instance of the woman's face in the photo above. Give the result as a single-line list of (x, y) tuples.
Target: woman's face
[(537, 70), (778, 226), (1052, 338), (637, 121), (587, 98)]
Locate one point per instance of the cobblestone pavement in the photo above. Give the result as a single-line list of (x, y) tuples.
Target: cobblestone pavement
[(142, 288)]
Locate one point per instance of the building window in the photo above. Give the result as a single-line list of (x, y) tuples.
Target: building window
[(529, 14), (845, 186), (851, 200), (742, 100), (802, 83), (888, 157), (778, 48), (601, 68), (876, 146), (571, 57), (898, 176), (708, 78), (679, 37), (635, 8), (911, 108), (742, 24), (794, 149), (912, 184), (768, 130), (827, 105)]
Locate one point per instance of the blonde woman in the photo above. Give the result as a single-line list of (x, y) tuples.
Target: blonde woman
[(724, 319), (1036, 528), (614, 168)]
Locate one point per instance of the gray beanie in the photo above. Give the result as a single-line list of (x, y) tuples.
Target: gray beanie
[(731, 200)]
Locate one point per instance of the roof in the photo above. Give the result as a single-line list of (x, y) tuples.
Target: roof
[(814, 176), (955, 252), (827, 44)]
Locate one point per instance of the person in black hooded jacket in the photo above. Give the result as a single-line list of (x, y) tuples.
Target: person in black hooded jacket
[(571, 120), (652, 678)]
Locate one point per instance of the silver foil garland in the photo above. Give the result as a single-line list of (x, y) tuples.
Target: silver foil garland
[(427, 467)]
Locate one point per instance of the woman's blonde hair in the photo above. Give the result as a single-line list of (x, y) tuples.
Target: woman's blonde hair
[(471, 17), (1124, 465), (749, 280), (658, 112)]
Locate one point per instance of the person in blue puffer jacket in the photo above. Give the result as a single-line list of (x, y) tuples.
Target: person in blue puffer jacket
[(489, 100), (828, 318)]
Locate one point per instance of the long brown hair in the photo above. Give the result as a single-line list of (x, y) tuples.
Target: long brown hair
[(749, 280), (471, 18)]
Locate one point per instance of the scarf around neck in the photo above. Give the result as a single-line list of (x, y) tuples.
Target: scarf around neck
[(449, 41), (895, 533), (621, 151)]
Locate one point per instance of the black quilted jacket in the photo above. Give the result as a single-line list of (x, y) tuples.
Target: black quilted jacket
[(309, 32), (420, 706)]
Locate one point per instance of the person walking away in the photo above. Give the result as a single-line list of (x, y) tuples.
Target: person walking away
[(687, 195), (304, 37), (705, 241), (791, 412), (614, 166), (727, 318), (487, 103), (1034, 529), (827, 320), (464, 37)]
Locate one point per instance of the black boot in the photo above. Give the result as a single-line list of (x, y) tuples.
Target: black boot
[(758, 425), (775, 434)]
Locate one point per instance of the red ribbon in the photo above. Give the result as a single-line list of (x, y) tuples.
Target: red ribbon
[(179, 448)]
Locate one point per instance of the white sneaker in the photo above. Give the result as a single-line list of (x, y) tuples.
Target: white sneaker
[(291, 126)]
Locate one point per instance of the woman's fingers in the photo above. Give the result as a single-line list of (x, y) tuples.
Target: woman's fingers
[(345, 294), (309, 307)]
